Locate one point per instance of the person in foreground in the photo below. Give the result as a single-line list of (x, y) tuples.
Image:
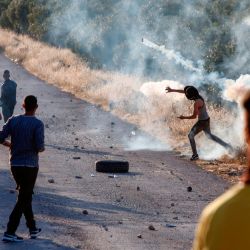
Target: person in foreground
[(27, 140), (203, 123), (224, 224), (8, 96)]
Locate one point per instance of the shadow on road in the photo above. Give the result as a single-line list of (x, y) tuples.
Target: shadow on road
[(83, 151)]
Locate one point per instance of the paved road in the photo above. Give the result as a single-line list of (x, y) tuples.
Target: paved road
[(118, 212)]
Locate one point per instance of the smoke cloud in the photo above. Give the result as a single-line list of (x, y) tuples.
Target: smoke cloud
[(110, 33)]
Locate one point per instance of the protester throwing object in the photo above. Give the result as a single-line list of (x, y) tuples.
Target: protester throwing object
[(203, 123), (27, 140), (8, 96), (224, 224)]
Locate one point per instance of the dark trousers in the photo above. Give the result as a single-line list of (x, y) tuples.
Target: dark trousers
[(204, 125), (25, 178), (7, 111)]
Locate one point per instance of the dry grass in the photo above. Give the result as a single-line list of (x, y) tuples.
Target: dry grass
[(114, 92)]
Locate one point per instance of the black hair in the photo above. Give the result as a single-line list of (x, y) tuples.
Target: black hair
[(192, 93), (6, 72), (30, 103)]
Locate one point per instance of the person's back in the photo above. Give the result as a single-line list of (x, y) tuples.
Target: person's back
[(8, 93), (224, 223), (26, 139), (8, 96)]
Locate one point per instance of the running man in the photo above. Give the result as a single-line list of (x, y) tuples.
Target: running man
[(8, 96), (27, 140), (203, 123)]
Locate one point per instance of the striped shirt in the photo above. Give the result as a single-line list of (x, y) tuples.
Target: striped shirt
[(27, 139)]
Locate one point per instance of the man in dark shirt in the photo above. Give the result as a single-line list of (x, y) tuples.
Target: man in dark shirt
[(27, 140), (8, 96)]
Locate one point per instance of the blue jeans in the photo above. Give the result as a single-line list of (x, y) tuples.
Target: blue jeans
[(204, 125)]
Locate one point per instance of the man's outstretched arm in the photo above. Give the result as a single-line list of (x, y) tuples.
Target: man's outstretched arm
[(169, 90)]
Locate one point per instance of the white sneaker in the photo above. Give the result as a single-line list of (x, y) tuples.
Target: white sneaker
[(34, 233), (11, 238)]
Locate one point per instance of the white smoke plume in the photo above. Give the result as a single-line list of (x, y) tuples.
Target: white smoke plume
[(235, 90), (172, 55), (111, 32)]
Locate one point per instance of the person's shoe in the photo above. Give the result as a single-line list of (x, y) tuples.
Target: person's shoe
[(35, 232), (11, 238), (194, 157)]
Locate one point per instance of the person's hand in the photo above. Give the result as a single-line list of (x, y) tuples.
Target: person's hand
[(168, 90), (181, 117)]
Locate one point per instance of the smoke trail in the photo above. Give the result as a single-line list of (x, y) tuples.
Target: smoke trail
[(172, 55)]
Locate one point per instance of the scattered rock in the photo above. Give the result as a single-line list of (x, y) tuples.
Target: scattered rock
[(75, 146), (176, 218), (78, 177), (117, 185), (113, 176), (138, 189), (189, 189), (59, 148), (76, 139), (170, 225), (133, 133), (120, 222), (172, 204), (85, 212), (112, 123), (233, 173), (76, 157), (151, 227), (53, 116), (111, 147), (51, 180), (46, 126), (157, 213), (118, 200), (108, 137), (139, 236)]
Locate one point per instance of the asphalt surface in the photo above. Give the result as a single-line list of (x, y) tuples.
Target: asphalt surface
[(154, 192)]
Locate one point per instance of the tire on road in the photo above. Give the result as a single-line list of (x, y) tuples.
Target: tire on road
[(108, 166)]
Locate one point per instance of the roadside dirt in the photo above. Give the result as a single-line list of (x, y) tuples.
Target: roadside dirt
[(77, 135)]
